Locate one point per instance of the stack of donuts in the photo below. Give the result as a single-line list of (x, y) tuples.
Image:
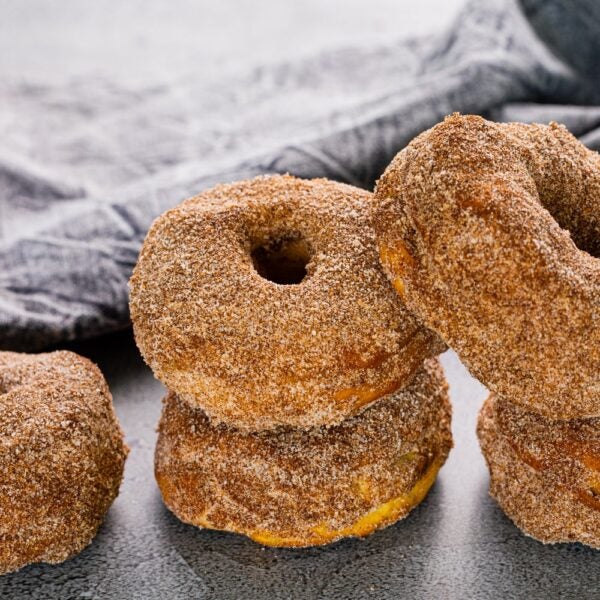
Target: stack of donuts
[(490, 233), (305, 401)]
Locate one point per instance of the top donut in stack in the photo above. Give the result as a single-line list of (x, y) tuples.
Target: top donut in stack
[(263, 303)]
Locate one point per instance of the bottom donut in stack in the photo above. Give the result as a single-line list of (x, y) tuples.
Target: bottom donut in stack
[(545, 474), (292, 487)]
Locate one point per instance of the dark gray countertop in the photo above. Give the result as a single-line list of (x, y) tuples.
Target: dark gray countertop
[(457, 544)]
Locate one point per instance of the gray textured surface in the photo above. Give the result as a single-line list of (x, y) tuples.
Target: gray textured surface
[(456, 545), (88, 160)]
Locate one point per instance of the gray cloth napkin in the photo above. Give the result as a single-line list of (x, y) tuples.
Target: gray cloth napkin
[(75, 209)]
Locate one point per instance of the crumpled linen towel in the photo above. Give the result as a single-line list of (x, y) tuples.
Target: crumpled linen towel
[(75, 209)]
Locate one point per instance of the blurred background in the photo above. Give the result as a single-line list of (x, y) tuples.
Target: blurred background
[(136, 41)]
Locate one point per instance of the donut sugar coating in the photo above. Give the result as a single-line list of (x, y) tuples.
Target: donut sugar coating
[(569, 450), (544, 474), (491, 235), (263, 303), (61, 456), (293, 487)]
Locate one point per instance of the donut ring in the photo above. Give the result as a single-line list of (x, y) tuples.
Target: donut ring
[(305, 488), (470, 220), (530, 476), (61, 456), (257, 354)]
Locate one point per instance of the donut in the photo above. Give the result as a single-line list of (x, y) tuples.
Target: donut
[(544, 474), (263, 303), (61, 456), (295, 487), (490, 233), (567, 449)]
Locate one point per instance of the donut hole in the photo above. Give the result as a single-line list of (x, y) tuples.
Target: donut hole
[(583, 232), (574, 211), (282, 260), (587, 244)]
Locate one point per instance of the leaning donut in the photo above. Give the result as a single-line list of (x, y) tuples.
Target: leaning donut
[(263, 303), (61, 456), (544, 474), (306, 487), (491, 234)]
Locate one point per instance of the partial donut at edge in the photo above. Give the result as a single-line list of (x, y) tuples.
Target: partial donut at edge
[(472, 222), (61, 456), (535, 500), (567, 450)]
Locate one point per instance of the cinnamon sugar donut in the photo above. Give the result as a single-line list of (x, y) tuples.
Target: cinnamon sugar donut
[(263, 303), (293, 487), (544, 474), (491, 234), (567, 449), (61, 456)]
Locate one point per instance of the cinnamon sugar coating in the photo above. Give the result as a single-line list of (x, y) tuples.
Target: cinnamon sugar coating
[(544, 475), (491, 234), (61, 456), (568, 450), (291, 487), (257, 354)]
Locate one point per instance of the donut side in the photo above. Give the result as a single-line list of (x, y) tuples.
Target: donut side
[(476, 225), (305, 488), (61, 456), (568, 450), (535, 498)]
